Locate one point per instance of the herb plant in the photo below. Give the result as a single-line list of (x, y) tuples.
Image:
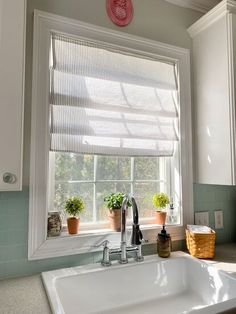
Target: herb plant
[(74, 206), (114, 200), (160, 200)]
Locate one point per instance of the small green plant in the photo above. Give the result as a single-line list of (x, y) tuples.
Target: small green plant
[(160, 200), (74, 206), (114, 200)]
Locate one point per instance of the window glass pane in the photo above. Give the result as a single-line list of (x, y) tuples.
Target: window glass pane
[(113, 168), (65, 190), (105, 188), (146, 168), (70, 173), (143, 192), (173, 216), (69, 167)]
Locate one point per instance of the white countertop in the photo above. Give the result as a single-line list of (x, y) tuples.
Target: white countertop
[(27, 295)]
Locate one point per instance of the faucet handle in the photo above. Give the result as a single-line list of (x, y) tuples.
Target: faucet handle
[(106, 253), (104, 243)]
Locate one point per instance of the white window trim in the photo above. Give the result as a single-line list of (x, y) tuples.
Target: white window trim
[(39, 246)]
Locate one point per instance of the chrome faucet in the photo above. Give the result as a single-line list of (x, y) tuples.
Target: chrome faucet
[(136, 237)]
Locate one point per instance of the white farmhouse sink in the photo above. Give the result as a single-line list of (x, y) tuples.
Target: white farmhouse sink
[(180, 284)]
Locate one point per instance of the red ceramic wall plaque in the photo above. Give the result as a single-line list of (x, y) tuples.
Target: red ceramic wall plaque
[(120, 11)]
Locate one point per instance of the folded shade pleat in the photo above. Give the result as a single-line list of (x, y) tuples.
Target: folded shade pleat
[(102, 61), (111, 146)]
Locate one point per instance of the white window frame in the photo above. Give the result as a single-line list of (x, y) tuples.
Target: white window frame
[(39, 246)]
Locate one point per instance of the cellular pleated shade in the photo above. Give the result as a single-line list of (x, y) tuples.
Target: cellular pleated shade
[(104, 100)]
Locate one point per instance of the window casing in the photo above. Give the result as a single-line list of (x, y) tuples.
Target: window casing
[(181, 167)]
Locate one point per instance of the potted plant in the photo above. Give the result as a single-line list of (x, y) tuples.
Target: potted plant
[(160, 200), (73, 207), (114, 203)]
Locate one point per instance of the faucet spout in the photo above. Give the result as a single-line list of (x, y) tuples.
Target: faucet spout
[(123, 244), (124, 209), (136, 238), (135, 211)]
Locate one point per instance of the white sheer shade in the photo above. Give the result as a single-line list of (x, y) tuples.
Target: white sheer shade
[(109, 102)]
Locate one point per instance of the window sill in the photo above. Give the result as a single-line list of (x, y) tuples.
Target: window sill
[(84, 231), (103, 228), (86, 241)]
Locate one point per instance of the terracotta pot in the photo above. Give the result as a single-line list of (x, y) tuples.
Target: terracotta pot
[(73, 225), (160, 217), (114, 217)]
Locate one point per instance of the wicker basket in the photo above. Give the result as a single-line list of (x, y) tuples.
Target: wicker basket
[(201, 245)]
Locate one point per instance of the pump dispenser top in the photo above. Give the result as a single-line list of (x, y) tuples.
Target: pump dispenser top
[(163, 233)]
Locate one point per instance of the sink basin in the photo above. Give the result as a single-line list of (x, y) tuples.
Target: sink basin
[(180, 284)]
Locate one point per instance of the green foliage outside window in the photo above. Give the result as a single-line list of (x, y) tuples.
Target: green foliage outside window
[(74, 175)]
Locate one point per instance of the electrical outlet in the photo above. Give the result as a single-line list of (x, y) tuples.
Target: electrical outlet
[(219, 219), (202, 218)]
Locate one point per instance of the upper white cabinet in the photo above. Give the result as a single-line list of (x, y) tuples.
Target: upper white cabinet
[(12, 63), (214, 53)]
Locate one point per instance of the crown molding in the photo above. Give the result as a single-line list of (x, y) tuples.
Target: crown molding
[(224, 7), (198, 5)]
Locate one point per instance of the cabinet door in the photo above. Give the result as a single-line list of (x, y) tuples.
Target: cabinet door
[(12, 64), (213, 106)]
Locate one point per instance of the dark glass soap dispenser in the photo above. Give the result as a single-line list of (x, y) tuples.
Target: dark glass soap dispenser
[(163, 243)]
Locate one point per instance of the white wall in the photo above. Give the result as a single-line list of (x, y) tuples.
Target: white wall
[(154, 19)]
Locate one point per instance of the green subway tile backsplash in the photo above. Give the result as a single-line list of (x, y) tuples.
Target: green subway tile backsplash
[(216, 197), (14, 230)]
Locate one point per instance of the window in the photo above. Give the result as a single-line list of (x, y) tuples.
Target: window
[(131, 97), (93, 177), (109, 101)]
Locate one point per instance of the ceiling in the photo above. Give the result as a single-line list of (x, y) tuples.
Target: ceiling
[(198, 5)]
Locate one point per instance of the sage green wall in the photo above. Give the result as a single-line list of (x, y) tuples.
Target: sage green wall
[(154, 19), (218, 197)]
